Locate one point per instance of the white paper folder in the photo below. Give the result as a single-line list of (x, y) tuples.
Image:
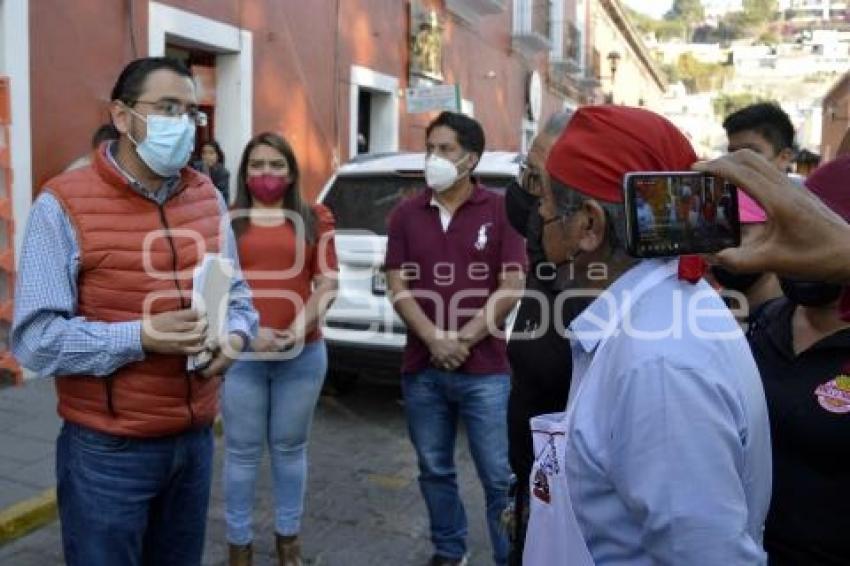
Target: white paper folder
[(211, 296)]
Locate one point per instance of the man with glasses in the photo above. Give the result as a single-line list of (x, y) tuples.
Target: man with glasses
[(663, 453), (537, 350), (103, 304)]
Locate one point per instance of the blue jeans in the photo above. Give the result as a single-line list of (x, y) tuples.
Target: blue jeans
[(133, 501), (433, 401), (269, 402)]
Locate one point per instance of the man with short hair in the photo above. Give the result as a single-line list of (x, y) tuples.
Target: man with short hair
[(663, 453), (454, 271), (766, 129), (103, 304), (802, 237)]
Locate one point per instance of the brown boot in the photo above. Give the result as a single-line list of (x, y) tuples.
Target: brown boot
[(240, 555), (288, 550)]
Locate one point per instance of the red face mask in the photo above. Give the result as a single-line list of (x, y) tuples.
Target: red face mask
[(267, 188)]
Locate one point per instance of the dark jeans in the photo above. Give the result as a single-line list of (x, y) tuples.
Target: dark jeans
[(133, 502)]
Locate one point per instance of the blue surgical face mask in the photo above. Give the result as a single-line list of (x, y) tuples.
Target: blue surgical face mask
[(168, 144)]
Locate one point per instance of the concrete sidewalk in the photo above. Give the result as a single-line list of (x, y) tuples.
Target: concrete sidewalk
[(363, 503), (28, 429)]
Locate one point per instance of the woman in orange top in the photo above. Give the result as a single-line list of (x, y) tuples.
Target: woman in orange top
[(287, 255)]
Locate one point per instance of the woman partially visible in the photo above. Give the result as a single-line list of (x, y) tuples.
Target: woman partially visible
[(287, 254), (211, 164), (801, 343)]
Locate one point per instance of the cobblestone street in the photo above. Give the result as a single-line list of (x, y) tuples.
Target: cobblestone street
[(363, 503)]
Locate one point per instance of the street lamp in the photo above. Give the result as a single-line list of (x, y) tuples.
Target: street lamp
[(613, 61)]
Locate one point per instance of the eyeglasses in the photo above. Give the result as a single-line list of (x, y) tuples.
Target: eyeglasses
[(174, 109)]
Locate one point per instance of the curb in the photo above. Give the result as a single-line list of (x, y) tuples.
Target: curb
[(22, 518), (27, 516)]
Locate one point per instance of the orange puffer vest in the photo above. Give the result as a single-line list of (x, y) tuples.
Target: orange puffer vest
[(136, 257)]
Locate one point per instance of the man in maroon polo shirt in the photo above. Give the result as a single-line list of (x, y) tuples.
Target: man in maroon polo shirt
[(455, 270)]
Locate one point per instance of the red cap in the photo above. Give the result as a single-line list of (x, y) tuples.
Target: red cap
[(602, 143), (829, 183)]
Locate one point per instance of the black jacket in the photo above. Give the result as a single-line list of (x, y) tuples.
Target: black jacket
[(219, 175)]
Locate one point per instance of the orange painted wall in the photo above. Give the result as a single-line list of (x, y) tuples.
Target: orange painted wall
[(77, 50), (301, 71)]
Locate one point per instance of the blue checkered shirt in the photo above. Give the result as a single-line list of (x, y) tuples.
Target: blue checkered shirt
[(48, 336)]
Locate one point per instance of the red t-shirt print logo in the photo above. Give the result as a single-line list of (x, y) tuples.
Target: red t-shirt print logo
[(541, 487)]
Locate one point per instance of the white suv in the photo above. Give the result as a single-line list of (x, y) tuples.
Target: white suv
[(363, 333)]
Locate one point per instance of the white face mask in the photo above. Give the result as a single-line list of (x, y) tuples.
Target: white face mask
[(441, 174)]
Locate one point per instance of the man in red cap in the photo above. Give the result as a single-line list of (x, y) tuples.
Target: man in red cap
[(663, 453)]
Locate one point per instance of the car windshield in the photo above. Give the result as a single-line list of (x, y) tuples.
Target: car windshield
[(363, 202)]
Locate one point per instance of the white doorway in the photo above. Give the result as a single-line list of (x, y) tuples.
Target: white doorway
[(527, 133), (233, 48), (373, 112)]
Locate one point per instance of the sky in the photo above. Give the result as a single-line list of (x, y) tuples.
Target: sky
[(654, 8)]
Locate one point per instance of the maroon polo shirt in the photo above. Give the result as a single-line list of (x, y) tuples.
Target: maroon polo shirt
[(456, 270)]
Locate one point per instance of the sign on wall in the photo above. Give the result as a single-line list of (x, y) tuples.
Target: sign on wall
[(432, 98)]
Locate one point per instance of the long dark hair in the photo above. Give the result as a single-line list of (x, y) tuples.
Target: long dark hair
[(218, 151), (291, 201)]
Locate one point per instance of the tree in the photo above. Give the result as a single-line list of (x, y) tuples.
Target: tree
[(662, 30), (723, 33), (671, 72), (725, 104), (769, 37), (645, 24), (755, 20), (689, 12), (701, 77), (760, 12)]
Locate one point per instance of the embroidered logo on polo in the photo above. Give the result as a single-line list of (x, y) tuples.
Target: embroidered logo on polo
[(834, 395), (481, 240)]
